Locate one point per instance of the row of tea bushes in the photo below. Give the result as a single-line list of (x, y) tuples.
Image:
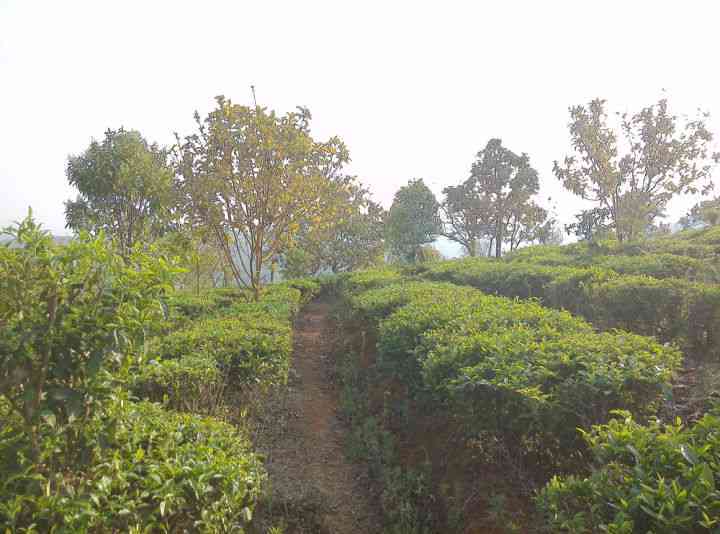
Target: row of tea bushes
[(699, 244), (525, 374), (131, 467), (242, 342), (671, 309), (656, 265), (661, 478), (76, 454)]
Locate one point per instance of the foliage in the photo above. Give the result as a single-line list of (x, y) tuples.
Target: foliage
[(68, 316), (405, 492), (591, 225), (647, 478), (412, 221), (223, 338), (666, 157), (523, 373), (125, 190), (192, 383), (352, 240), (253, 178), (133, 468), (466, 215), (706, 212), (250, 347), (671, 309), (495, 201), (202, 260), (661, 266), (351, 283)]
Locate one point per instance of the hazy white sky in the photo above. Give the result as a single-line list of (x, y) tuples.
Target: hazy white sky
[(414, 88)]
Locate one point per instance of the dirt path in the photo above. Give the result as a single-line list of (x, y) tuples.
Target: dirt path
[(309, 473)]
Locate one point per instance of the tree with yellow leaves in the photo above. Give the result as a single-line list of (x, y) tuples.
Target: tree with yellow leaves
[(254, 178)]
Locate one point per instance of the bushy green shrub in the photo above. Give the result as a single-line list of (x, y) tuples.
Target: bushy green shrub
[(661, 478), (233, 340), (132, 468), (509, 279), (534, 386), (527, 374), (354, 282), (69, 316), (308, 287), (660, 266), (671, 309), (377, 304), (250, 348), (193, 383)]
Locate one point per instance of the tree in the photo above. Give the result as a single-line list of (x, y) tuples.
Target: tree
[(352, 240), (413, 221), (501, 185), (550, 233), (590, 225), (466, 213), (665, 157), (706, 212), (125, 189), (68, 314), (526, 223), (253, 178)]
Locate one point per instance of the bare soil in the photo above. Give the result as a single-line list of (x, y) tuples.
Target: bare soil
[(314, 488)]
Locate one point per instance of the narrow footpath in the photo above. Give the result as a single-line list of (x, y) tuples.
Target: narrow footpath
[(308, 468)]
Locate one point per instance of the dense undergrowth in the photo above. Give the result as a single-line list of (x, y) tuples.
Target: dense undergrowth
[(651, 288), (121, 407), (466, 380), (528, 394)]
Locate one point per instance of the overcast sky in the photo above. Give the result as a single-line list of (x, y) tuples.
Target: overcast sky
[(415, 89)]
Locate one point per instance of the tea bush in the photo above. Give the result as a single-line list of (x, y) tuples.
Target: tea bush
[(671, 309), (353, 282), (660, 266), (240, 343), (661, 478), (131, 468), (193, 383), (528, 374), (71, 317), (249, 349)]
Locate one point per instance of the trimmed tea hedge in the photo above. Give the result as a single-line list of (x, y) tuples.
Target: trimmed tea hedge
[(647, 478), (235, 344), (131, 468), (672, 309), (524, 373)]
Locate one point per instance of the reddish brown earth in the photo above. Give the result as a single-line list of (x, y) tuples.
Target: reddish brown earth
[(313, 484)]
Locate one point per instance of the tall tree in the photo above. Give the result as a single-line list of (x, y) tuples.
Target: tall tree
[(503, 184), (352, 240), (413, 220), (466, 215), (706, 212), (665, 156), (254, 178), (528, 222), (125, 189)]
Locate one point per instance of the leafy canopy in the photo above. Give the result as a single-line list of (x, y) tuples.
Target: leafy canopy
[(412, 221), (253, 179), (67, 315), (495, 202), (665, 156), (125, 189), (352, 240)]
